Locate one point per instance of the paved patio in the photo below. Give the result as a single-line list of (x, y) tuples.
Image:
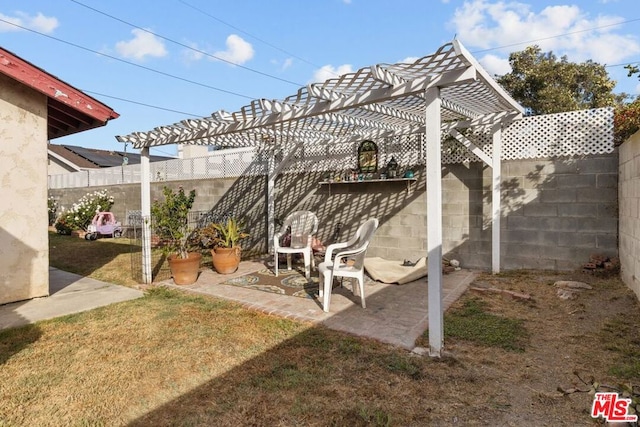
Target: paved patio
[(395, 314)]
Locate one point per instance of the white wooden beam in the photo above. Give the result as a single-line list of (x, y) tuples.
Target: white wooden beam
[(145, 206), (271, 197), (471, 147), (496, 198), (434, 221)]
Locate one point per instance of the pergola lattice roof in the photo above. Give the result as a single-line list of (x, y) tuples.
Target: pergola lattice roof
[(383, 100), (435, 93)]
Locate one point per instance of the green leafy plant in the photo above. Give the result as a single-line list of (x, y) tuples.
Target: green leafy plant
[(81, 213), (227, 233), (52, 208), (171, 220)]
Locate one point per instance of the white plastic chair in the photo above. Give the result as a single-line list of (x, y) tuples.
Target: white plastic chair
[(348, 262), (302, 225)]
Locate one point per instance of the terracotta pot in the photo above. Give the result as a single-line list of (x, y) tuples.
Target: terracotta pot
[(226, 260), (185, 271)]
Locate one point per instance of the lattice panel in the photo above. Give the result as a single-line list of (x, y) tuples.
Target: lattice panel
[(454, 152), (572, 133), (564, 134)]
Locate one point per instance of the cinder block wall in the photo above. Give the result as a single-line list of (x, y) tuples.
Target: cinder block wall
[(242, 197), (555, 213), (629, 193)]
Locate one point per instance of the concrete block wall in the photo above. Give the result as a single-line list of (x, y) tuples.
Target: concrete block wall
[(629, 193), (555, 214), (242, 197)]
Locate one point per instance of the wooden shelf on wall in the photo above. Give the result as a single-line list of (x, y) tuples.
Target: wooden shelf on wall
[(408, 182)]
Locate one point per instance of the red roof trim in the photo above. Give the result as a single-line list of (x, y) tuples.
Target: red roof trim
[(43, 82)]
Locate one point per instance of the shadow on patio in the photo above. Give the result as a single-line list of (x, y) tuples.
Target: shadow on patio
[(395, 314)]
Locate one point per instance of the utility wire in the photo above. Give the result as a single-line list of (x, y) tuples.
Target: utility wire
[(129, 62), (185, 46), (142, 103), (248, 34), (557, 36)]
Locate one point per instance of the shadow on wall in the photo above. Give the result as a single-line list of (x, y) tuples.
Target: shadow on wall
[(245, 200), (342, 208), (555, 213), (13, 339)]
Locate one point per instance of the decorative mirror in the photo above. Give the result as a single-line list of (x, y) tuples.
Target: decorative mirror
[(368, 157)]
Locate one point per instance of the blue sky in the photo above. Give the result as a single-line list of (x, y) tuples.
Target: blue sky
[(158, 62)]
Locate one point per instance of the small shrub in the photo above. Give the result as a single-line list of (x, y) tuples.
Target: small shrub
[(171, 220), (52, 207), (79, 216)]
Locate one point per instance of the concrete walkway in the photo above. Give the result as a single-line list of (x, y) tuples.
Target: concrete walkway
[(69, 293), (395, 314)]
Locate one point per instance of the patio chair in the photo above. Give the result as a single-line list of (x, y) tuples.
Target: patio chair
[(299, 228), (347, 262)]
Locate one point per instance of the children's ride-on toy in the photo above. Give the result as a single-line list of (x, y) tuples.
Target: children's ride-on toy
[(103, 224)]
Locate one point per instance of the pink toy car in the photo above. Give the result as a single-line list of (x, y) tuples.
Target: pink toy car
[(103, 224)]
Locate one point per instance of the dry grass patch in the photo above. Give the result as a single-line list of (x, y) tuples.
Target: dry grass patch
[(103, 259), (176, 359)]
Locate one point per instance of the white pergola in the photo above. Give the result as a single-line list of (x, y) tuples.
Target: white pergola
[(436, 95)]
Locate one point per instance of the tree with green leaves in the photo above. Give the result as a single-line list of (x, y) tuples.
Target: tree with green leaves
[(544, 84)]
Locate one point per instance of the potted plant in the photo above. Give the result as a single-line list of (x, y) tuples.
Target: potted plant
[(171, 224), (223, 239)]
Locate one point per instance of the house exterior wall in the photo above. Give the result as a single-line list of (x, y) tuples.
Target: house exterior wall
[(555, 213), (56, 167), (629, 193), (24, 251)]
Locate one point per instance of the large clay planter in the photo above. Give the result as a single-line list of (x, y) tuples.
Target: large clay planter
[(226, 260), (185, 270)]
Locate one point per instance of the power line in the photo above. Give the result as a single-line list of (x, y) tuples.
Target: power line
[(248, 34), (186, 46), (129, 62), (556, 36), (141, 103)]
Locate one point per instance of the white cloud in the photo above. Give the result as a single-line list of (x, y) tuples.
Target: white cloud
[(143, 44), (330, 72), (238, 50), (194, 54), (494, 65), (287, 63), (485, 25), (39, 22)]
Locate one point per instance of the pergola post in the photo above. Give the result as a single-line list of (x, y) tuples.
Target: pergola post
[(496, 200), (145, 206), (434, 220), (271, 209)]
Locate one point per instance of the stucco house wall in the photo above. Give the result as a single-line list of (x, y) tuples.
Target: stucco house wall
[(24, 253), (56, 167)]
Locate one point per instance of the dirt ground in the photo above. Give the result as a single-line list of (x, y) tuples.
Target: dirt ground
[(574, 337)]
